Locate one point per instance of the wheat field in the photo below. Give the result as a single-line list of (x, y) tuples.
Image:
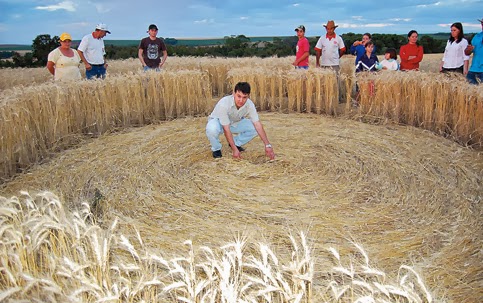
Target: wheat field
[(109, 192)]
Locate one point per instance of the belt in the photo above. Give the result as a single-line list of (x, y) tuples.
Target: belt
[(97, 64)]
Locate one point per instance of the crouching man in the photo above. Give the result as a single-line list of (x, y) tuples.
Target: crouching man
[(236, 114)]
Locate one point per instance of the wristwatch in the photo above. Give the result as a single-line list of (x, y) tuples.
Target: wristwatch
[(268, 145)]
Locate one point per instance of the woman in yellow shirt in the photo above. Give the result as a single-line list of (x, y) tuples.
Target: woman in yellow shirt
[(63, 62)]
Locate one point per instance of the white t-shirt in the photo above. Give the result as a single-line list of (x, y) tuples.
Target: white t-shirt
[(66, 68), (330, 50), (390, 64), (454, 54), (226, 111), (93, 49)]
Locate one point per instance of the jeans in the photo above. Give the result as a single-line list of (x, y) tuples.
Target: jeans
[(97, 71), (302, 67), (244, 128), (147, 68), (474, 77)]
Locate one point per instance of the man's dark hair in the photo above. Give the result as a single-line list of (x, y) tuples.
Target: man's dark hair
[(459, 26), (368, 35), (243, 87), (392, 53)]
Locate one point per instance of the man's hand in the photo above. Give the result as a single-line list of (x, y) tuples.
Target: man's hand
[(88, 66), (469, 49), (269, 152), (236, 154)]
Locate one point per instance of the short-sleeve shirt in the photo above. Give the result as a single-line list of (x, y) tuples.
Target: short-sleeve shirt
[(93, 49), (152, 50), (477, 63), (225, 110), (303, 47), (330, 50), (66, 68)]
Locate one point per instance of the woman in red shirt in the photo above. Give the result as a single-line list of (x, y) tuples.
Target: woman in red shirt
[(412, 53)]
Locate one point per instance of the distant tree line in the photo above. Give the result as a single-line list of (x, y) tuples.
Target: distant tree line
[(233, 46)]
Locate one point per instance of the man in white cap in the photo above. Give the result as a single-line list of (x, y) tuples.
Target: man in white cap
[(475, 73), (92, 51)]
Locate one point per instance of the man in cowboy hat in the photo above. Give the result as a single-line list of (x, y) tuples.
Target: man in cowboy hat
[(475, 73), (331, 47)]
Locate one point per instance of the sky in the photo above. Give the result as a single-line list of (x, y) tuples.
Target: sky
[(22, 20)]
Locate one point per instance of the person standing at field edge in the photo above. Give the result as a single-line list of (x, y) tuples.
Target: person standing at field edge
[(331, 47), (150, 49), (63, 62), (411, 54), (92, 51), (455, 59), (302, 49), (236, 114), (358, 48), (475, 74)]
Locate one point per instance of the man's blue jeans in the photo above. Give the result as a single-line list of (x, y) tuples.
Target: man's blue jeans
[(97, 71), (147, 68), (244, 128), (474, 77)]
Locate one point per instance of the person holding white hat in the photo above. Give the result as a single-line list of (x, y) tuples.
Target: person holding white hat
[(63, 62), (92, 51), (475, 74)]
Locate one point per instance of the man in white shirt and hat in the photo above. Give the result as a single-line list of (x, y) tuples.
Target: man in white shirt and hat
[(92, 51)]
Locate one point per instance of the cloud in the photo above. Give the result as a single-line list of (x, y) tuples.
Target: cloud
[(400, 19), (296, 4), (244, 18), (360, 18), (351, 25), (205, 21), (378, 24), (65, 5), (428, 5), (102, 9), (465, 25)]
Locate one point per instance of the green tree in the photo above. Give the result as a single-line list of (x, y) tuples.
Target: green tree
[(41, 47), (23, 61), (431, 45), (235, 44)]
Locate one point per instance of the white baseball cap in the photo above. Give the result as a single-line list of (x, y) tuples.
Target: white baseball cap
[(103, 27)]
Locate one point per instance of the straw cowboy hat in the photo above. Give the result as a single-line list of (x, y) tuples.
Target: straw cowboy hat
[(330, 24)]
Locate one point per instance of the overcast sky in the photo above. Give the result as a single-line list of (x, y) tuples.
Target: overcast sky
[(22, 20)]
